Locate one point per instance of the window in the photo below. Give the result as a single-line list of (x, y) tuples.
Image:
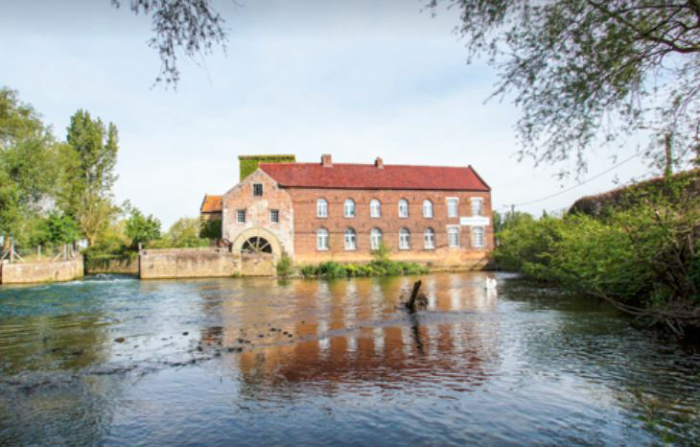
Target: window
[(429, 238), (452, 207), (321, 208), (375, 238), (477, 207), (240, 216), (427, 209), (453, 236), (403, 208), (375, 208), (322, 239), (349, 208), (350, 239), (478, 237), (274, 216), (404, 239), (257, 189)]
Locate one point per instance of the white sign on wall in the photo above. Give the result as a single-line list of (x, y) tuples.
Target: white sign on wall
[(475, 221)]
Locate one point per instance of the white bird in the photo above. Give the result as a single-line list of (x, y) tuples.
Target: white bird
[(491, 283)]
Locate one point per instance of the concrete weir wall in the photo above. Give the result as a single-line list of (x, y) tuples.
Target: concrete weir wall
[(37, 272), (202, 263)]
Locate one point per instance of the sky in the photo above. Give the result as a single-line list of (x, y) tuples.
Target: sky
[(356, 79)]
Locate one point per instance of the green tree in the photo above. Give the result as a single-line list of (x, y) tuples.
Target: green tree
[(29, 166), (142, 229), (184, 233), (60, 229), (87, 196), (210, 229), (586, 71)]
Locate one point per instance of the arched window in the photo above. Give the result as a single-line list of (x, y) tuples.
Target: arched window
[(375, 208), (350, 239), (349, 208), (404, 239), (429, 238), (322, 239), (321, 208), (375, 238), (427, 209), (403, 208)]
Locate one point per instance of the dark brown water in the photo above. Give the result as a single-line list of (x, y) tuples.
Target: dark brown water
[(117, 361)]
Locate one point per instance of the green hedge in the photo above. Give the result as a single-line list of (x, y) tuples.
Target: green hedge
[(383, 267)]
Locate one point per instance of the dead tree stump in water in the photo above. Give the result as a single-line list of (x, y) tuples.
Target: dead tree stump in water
[(417, 301)]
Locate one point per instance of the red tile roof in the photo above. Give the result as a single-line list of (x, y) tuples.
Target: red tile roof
[(211, 204), (366, 176)]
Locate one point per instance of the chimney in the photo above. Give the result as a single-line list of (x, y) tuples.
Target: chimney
[(379, 163), (326, 161)]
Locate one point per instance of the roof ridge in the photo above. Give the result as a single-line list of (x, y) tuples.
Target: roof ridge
[(370, 165)]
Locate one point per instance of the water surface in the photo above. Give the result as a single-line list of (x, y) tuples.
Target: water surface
[(113, 360)]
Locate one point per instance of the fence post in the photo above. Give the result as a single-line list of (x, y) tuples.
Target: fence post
[(65, 252), (12, 251), (38, 251)]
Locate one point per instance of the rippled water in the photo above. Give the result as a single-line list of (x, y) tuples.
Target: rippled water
[(113, 360)]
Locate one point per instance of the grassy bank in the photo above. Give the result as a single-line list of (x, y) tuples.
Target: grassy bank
[(642, 255)]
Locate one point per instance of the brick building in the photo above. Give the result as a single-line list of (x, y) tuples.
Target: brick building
[(324, 211)]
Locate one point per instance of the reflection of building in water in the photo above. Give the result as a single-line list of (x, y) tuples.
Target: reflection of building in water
[(349, 331)]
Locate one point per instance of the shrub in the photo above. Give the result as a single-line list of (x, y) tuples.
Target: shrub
[(644, 258), (284, 266)]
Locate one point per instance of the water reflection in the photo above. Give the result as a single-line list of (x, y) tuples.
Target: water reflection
[(356, 333)]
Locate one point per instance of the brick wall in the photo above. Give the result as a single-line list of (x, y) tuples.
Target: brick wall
[(258, 211), (306, 223)]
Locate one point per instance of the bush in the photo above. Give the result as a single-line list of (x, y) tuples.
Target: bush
[(644, 259), (284, 266), (331, 269)]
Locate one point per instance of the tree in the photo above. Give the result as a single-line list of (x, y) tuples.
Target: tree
[(60, 229), (87, 196), (141, 229), (192, 25), (185, 233), (210, 228), (590, 70), (29, 165)]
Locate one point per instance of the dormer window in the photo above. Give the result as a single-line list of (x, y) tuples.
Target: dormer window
[(257, 189)]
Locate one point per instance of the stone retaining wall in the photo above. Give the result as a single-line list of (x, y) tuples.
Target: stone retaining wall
[(37, 272), (202, 263), (123, 266)]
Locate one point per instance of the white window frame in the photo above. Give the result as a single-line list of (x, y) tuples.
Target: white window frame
[(375, 209), (482, 242), (350, 239), (322, 239), (404, 239), (455, 201), (322, 208), (275, 213), (403, 215), (428, 208), (349, 205), (429, 239), (477, 202), (453, 229), (240, 213), (375, 238)]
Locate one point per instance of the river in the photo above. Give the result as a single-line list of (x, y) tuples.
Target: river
[(117, 361)]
